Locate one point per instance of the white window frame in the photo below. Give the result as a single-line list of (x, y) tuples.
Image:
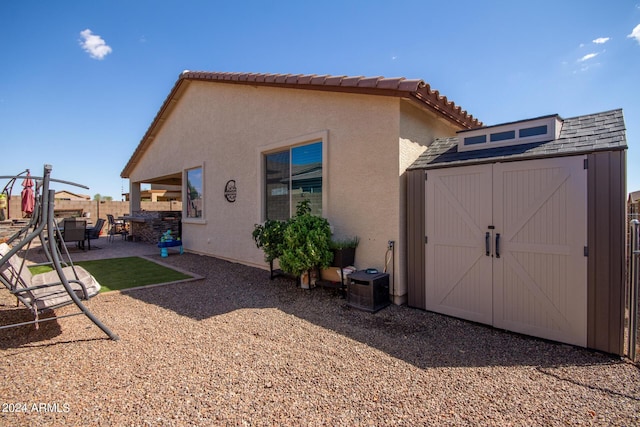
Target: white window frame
[(185, 189)]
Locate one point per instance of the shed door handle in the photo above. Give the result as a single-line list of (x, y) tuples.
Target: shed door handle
[(487, 243), (497, 245)]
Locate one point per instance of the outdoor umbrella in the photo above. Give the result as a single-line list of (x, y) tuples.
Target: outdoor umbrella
[(28, 198)]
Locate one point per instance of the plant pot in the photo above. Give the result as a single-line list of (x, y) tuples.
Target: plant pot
[(344, 257), (308, 279), (304, 281)]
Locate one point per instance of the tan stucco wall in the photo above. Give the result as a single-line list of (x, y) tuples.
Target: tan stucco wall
[(418, 129), (225, 127)]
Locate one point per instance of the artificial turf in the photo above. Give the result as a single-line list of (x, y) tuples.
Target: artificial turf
[(122, 273)]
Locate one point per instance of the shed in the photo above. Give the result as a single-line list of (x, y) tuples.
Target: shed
[(521, 226)]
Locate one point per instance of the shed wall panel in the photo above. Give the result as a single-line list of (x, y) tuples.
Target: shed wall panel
[(606, 212), (415, 239)]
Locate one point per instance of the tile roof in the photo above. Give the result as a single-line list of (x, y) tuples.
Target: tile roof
[(396, 86), (413, 89), (579, 135)]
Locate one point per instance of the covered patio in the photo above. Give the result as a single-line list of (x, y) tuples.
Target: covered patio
[(146, 225)]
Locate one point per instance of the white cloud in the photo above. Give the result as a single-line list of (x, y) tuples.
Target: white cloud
[(601, 40), (94, 45), (635, 34), (588, 57)]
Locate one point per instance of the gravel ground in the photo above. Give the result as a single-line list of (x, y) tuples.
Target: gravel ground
[(238, 349)]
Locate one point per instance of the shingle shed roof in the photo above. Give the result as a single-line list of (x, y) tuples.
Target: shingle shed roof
[(579, 135)]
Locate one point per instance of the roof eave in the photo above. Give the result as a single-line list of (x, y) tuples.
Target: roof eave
[(167, 106), (412, 89)]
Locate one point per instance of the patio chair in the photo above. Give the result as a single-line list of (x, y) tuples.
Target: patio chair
[(94, 233), (115, 226), (74, 230)]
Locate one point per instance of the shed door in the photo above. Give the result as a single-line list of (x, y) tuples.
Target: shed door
[(458, 211), (534, 280)]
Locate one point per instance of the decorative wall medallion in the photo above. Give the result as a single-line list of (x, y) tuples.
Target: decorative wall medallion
[(230, 191)]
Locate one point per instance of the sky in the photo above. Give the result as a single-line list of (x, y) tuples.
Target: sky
[(81, 81)]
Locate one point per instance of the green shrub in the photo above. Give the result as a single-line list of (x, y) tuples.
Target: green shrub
[(269, 237), (306, 242)]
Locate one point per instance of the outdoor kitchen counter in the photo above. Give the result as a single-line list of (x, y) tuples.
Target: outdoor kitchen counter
[(134, 218), (148, 226)]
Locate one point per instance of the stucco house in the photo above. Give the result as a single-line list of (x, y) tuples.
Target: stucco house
[(68, 195), (518, 225), (246, 147), (159, 193)]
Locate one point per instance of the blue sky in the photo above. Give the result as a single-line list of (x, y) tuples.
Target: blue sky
[(81, 81)]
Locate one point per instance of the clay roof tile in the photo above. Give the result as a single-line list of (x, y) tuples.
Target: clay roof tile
[(409, 85), (305, 79), (333, 80), (319, 80), (389, 83), (369, 82), (281, 78), (351, 81), (292, 79)]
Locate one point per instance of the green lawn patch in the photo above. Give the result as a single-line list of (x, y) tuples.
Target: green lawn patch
[(122, 273)]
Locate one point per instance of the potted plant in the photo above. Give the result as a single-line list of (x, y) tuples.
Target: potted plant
[(306, 244), (269, 237), (344, 251)]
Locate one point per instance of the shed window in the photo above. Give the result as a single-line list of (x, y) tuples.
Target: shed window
[(480, 139), (503, 136), (538, 130)]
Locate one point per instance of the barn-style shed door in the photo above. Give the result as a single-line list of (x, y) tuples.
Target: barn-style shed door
[(506, 246)]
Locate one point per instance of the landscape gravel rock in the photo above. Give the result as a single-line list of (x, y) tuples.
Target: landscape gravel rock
[(238, 349)]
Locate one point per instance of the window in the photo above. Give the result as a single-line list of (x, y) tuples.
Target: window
[(194, 195), (541, 129), (480, 139), (503, 136), (291, 175), (538, 130)]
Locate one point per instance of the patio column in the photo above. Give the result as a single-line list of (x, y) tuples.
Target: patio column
[(134, 197)]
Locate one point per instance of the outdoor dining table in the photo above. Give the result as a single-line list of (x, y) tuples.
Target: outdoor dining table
[(87, 232)]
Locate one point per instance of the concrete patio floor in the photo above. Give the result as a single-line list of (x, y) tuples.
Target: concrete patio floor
[(101, 248)]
